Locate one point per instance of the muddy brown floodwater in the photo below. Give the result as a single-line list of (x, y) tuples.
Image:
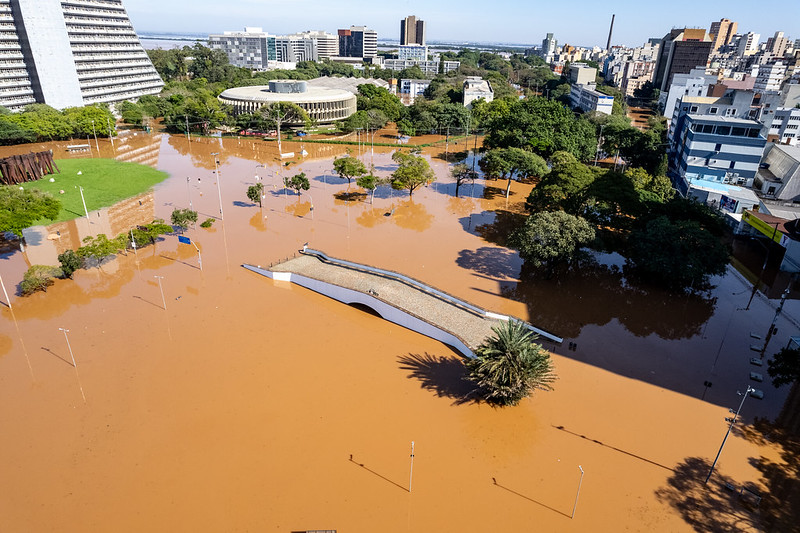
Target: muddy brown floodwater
[(252, 405)]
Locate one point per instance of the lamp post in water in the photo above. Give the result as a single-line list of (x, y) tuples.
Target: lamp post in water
[(163, 301), (74, 364), (577, 495), (730, 427), (219, 191)]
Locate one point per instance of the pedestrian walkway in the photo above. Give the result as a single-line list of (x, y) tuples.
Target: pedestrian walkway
[(397, 298)]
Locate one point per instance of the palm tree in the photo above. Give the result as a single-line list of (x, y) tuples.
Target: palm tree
[(509, 365)]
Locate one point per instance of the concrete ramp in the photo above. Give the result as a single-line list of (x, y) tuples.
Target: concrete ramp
[(397, 298)]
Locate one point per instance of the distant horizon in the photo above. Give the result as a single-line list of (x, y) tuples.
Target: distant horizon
[(508, 21)]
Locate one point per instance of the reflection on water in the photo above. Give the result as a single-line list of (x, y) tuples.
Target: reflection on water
[(592, 293)]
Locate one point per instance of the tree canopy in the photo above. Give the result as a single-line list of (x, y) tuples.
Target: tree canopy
[(541, 126), (21, 208), (513, 163), (784, 367), (549, 238), (349, 167), (412, 171), (509, 366)]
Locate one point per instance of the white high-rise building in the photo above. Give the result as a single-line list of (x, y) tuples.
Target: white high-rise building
[(294, 48), (327, 43), (251, 48), (67, 53), (748, 44), (770, 76)]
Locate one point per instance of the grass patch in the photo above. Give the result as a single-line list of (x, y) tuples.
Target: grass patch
[(104, 181)]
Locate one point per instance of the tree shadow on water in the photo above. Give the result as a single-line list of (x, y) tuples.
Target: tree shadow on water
[(711, 507), (489, 261), (445, 376)]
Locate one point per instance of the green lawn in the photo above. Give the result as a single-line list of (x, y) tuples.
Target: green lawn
[(104, 181)]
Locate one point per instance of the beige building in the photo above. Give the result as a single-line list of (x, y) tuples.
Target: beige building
[(722, 32)]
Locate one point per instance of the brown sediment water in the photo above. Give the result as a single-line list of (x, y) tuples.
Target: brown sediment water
[(249, 404)]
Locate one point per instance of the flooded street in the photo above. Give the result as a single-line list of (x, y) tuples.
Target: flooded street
[(253, 405)]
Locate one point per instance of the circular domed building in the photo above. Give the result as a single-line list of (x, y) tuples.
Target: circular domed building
[(322, 104)]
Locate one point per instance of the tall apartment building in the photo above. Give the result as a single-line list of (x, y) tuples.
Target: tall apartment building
[(549, 46), (71, 53), (778, 44), (327, 44), (251, 48), (358, 41), (681, 51), (770, 76), (294, 48), (748, 44), (722, 32), (412, 31)]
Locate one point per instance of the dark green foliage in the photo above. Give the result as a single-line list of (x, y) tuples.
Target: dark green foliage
[(369, 182), (349, 167), (254, 193), (677, 255), (549, 238), (207, 223), (70, 262), (564, 187), (38, 278), (147, 234), (413, 171), (508, 366), (380, 99), (784, 367), (96, 249), (20, 209), (541, 126), (182, 218), (513, 163), (461, 173), (13, 133), (297, 182)]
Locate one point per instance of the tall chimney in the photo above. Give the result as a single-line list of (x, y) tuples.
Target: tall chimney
[(610, 31)]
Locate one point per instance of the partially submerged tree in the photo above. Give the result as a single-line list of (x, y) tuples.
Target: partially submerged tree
[(461, 173), (182, 218), (21, 208), (508, 366), (413, 171), (280, 113), (38, 278), (513, 163), (297, 182), (548, 238), (349, 167), (70, 262), (369, 182), (254, 193)]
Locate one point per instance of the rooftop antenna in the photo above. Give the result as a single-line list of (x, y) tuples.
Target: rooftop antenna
[(610, 31)]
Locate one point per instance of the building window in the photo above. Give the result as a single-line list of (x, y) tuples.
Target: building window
[(717, 147), (723, 130), (694, 109), (713, 111), (732, 165)]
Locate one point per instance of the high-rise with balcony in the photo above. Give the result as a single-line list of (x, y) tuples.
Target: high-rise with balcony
[(68, 53)]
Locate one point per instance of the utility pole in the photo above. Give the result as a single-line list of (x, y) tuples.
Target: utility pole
[(188, 137), (757, 284), (599, 141), (110, 137), (730, 427), (774, 321)]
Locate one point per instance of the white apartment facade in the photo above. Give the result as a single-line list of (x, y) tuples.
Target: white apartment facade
[(71, 53)]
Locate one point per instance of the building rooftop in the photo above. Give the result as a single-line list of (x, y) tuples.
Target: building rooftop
[(791, 151), (261, 93), (725, 188), (346, 84), (706, 100), (723, 120)]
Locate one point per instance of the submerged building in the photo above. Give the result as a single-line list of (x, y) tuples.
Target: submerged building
[(67, 53)]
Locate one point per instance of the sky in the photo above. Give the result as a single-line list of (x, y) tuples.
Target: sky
[(576, 22)]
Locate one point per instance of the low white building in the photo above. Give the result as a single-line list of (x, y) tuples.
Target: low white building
[(476, 88), (413, 52), (587, 98), (414, 87)]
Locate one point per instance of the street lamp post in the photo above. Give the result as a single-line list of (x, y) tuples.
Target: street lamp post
[(189, 192), (163, 300), (599, 141), (74, 364), (219, 191), (94, 131), (578, 493), (730, 427), (771, 331)]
